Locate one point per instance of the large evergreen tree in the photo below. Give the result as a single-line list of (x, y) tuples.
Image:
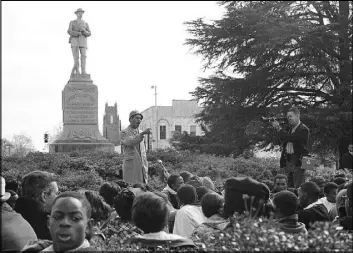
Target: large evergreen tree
[(270, 52)]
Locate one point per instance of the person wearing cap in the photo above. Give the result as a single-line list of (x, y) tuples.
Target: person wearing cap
[(135, 165), (15, 230), (79, 31)]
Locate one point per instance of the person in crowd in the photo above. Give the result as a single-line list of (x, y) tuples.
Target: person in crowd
[(294, 143), (201, 191), (100, 209), (341, 187), (340, 175), (173, 184), (137, 190), (195, 181), (143, 187), (286, 204), (39, 189), (135, 165), (150, 214), (320, 181), (329, 201), (12, 185), (70, 224), (270, 184), (171, 209), (186, 175), (244, 194), (207, 182), (347, 158), (108, 191), (281, 184), (312, 209), (339, 181), (101, 212), (13, 199), (346, 220), (212, 207), (122, 184), (340, 210), (15, 230), (121, 226), (189, 216)]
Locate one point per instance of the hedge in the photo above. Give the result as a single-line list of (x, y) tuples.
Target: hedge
[(90, 169)]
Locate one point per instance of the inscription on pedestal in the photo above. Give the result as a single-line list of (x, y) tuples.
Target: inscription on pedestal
[(80, 105)]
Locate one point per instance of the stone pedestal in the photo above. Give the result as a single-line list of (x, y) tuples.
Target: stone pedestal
[(80, 117)]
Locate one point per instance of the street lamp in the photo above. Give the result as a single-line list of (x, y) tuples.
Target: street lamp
[(155, 104)]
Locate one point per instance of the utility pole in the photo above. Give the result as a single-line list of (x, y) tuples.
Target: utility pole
[(156, 109)]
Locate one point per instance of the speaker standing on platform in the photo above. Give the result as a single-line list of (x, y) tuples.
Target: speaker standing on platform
[(294, 146), (135, 165)]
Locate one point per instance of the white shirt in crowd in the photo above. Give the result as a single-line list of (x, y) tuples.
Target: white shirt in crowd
[(329, 206), (187, 219), (162, 235)]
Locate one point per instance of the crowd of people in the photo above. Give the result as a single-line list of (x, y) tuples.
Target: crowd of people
[(35, 216)]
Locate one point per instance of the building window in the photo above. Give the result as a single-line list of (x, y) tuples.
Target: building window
[(163, 132), (193, 130), (111, 119), (178, 128)]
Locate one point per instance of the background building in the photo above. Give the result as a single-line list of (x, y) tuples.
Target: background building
[(178, 117), (111, 124)]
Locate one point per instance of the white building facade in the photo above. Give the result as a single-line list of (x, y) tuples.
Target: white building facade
[(178, 117)]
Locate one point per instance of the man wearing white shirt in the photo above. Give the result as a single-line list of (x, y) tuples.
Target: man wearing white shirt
[(329, 201), (189, 216), (313, 209)]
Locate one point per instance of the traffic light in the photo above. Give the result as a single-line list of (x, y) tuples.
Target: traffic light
[(46, 137)]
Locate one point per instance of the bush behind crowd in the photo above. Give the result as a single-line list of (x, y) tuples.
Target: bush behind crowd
[(89, 171)]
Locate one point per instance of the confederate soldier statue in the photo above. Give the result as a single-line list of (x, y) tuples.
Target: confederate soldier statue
[(79, 31)]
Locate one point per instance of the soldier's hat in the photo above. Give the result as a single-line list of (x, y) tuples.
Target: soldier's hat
[(79, 10), (133, 113)]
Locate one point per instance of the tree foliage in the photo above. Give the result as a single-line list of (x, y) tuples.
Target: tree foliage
[(269, 52), (22, 145)]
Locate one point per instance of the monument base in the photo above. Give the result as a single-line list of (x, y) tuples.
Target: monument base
[(78, 137), (80, 116), (78, 146)]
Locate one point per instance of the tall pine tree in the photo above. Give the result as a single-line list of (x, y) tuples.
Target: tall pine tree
[(270, 52)]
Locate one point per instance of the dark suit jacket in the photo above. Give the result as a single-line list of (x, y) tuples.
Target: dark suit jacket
[(313, 214), (300, 142), (33, 213), (347, 160)]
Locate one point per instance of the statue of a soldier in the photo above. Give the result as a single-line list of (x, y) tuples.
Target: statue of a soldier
[(79, 31)]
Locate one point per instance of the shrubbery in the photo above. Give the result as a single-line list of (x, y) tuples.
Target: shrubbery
[(90, 169), (262, 235)]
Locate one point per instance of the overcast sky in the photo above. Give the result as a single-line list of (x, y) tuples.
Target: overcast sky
[(133, 46)]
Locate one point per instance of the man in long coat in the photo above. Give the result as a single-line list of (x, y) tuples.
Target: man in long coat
[(135, 165)]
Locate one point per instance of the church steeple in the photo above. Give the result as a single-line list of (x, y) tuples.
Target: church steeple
[(111, 124)]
